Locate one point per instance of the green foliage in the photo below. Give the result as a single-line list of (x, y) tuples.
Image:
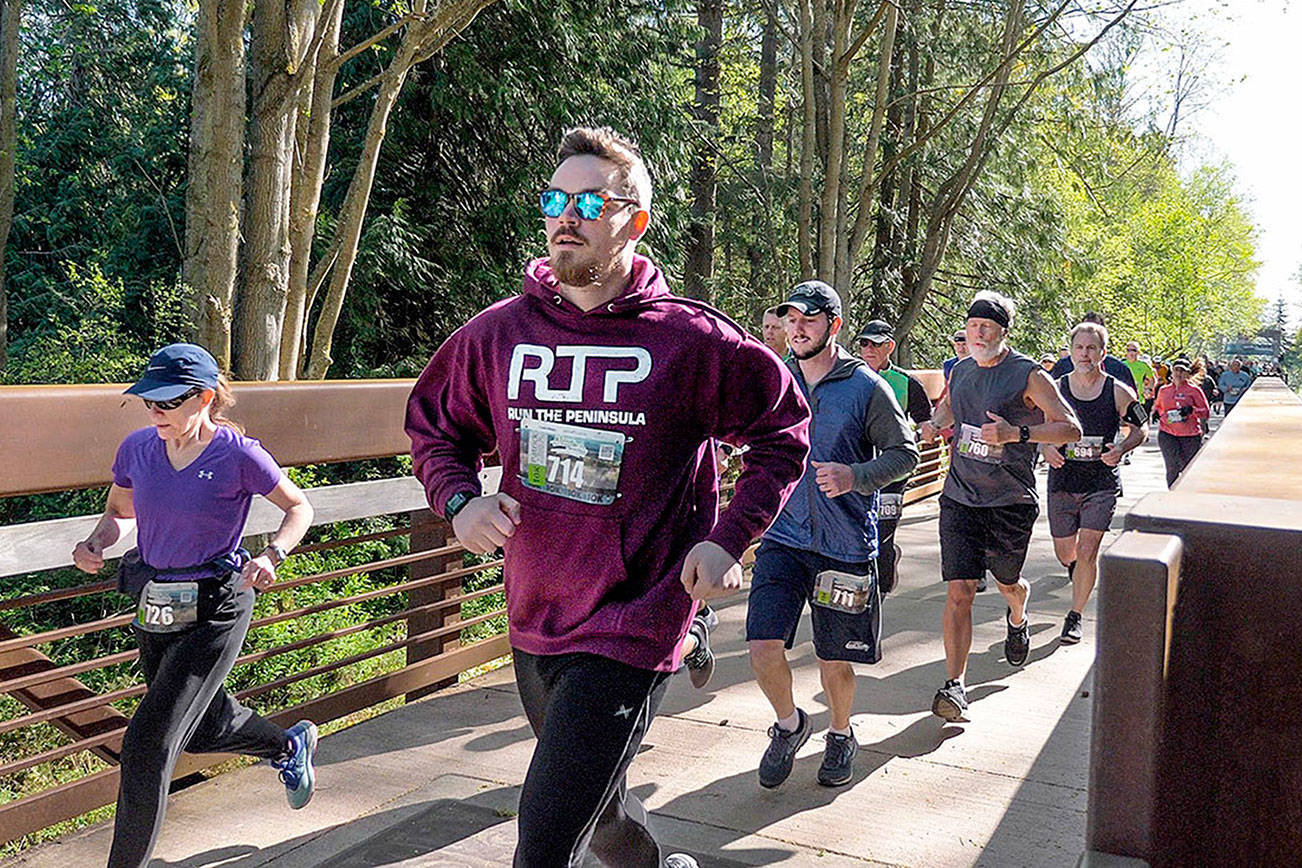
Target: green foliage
[(103, 104), (81, 335)]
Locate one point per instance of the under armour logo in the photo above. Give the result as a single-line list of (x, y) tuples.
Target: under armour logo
[(205, 474), (624, 711)]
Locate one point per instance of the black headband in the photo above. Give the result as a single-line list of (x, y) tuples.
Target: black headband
[(988, 310)]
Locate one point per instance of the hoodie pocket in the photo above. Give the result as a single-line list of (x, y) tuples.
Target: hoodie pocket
[(564, 569)]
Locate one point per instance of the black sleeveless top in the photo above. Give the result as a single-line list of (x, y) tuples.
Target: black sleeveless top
[(1098, 419)]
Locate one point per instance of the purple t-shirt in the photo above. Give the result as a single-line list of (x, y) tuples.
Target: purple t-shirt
[(188, 517)]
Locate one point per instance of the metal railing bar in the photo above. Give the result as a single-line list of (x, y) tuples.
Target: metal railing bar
[(25, 681), (71, 708), (53, 754), (326, 545), (369, 595), (119, 620), (254, 657), (56, 595), (259, 689), (369, 625), (65, 632), (88, 743)]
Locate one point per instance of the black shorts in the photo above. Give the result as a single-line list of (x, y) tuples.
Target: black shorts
[(783, 580), (975, 539)]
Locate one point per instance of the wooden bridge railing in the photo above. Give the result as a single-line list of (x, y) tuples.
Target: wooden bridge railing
[(1196, 757), (61, 438), (55, 438)]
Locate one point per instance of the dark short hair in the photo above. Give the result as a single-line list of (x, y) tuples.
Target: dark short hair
[(1095, 317), (616, 147)]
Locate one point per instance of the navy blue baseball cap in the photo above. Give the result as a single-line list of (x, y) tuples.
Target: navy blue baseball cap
[(175, 370), (811, 298)]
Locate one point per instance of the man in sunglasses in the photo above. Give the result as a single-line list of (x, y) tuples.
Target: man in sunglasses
[(603, 395), (959, 342)]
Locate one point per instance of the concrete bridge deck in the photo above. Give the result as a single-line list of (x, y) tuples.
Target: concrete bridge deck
[(435, 783)]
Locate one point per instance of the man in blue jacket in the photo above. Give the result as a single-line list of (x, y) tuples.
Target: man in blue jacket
[(823, 545)]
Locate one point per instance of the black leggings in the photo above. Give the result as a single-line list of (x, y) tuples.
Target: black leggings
[(186, 706), (590, 715), (1177, 452), (886, 554)]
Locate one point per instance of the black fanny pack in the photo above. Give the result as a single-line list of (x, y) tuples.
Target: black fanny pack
[(134, 573)]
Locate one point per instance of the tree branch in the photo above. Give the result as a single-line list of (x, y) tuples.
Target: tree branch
[(375, 39)]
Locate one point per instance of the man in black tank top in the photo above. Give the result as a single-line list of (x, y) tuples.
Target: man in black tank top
[(1083, 478), (1000, 402)]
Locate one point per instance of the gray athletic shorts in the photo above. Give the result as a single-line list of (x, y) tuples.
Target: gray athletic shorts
[(1069, 512)]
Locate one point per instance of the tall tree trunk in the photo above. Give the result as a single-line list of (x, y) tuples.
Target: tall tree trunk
[(869, 179), (762, 278), (313, 128), (838, 73), (808, 142), (11, 17), (698, 268), (910, 196), (889, 195), (421, 41), (822, 34), (216, 166), (281, 32)]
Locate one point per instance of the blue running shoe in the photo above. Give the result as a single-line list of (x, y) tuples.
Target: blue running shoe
[(296, 771)]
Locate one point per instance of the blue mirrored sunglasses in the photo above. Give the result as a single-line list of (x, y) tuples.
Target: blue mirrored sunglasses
[(588, 205)]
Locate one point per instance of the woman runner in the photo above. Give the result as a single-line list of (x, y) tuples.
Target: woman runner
[(186, 483), (1180, 408)]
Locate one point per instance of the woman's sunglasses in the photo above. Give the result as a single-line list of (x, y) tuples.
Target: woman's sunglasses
[(588, 205), (172, 403)]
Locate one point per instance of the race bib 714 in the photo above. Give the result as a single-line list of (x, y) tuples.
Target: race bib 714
[(571, 461)]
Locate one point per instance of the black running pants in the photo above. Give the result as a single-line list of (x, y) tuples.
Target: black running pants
[(1177, 452), (186, 706), (590, 714)]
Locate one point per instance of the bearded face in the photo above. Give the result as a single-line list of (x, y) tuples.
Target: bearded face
[(586, 252)]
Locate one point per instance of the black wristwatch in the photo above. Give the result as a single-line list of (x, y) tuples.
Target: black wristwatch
[(1024, 434), (277, 554), (455, 504)]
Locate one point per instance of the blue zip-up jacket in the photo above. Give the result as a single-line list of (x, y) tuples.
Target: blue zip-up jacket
[(856, 421)]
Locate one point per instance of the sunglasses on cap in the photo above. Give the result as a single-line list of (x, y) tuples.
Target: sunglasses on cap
[(172, 403), (589, 205)]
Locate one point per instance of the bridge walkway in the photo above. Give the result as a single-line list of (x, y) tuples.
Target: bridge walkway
[(436, 782)]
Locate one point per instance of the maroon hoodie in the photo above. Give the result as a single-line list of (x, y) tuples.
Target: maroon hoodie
[(650, 379)]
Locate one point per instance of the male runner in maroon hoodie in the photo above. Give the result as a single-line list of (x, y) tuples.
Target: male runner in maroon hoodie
[(601, 393)]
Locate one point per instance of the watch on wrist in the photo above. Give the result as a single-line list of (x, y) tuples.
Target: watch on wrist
[(1024, 434), (455, 504), (277, 554)]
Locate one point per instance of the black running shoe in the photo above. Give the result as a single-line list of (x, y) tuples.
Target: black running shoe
[(838, 760), (776, 763), (700, 663), (950, 702), (1071, 632), (1017, 645), (981, 585), (1071, 570)]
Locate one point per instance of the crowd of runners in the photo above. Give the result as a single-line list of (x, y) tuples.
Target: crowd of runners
[(613, 407)]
